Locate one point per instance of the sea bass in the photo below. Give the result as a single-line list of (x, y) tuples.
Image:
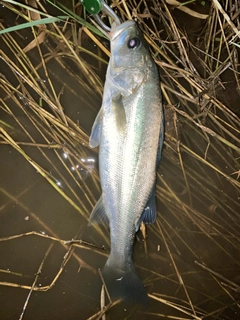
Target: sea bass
[(129, 132)]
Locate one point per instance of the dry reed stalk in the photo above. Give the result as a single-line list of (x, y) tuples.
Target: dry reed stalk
[(202, 149)]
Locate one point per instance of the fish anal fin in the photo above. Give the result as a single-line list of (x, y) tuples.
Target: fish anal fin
[(99, 214)]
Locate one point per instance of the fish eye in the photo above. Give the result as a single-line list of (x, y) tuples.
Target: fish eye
[(134, 43)]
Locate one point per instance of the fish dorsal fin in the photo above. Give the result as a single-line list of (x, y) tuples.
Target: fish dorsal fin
[(150, 212), (119, 114), (95, 136), (99, 214)]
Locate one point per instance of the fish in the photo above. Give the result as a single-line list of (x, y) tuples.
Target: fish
[(129, 133)]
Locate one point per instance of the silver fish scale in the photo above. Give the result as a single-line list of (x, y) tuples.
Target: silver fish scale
[(128, 166)]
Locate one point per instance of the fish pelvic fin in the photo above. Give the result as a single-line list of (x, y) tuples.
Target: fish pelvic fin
[(124, 285)]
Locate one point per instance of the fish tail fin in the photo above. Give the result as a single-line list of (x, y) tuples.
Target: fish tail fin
[(124, 285)]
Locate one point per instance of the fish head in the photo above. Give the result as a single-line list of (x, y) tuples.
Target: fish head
[(130, 58)]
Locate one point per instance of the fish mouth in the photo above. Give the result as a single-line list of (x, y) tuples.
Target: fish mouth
[(118, 29)]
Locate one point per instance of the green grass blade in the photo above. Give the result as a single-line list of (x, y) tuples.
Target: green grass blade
[(33, 23)]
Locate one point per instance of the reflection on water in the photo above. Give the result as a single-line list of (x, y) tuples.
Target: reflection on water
[(49, 184), (85, 166)]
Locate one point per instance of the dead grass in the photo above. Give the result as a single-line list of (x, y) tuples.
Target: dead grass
[(198, 179)]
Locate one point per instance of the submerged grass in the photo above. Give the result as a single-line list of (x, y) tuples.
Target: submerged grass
[(198, 179)]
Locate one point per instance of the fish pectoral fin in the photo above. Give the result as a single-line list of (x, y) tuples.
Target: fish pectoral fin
[(95, 136), (129, 83), (119, 114), (142, 78), (149, 214), (99, 214)]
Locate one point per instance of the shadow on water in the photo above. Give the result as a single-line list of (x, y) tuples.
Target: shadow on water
[(49, 184)]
